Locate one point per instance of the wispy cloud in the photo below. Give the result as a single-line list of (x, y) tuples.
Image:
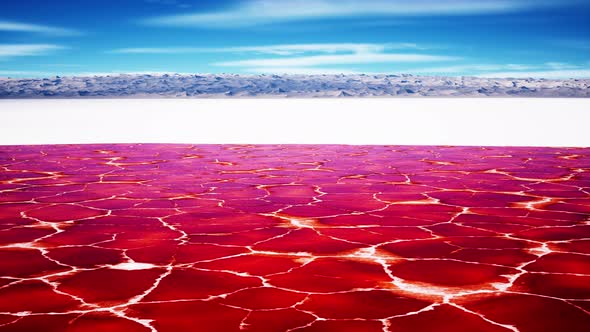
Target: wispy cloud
[(337, 59), (18, 50), (255, 12), (290, 58), (285, 49), (305, 58), (36, 28), (321, 58)]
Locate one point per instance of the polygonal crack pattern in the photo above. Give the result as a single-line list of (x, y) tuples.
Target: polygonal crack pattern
[(294, 238)]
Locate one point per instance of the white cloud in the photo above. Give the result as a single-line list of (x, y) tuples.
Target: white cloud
[(549, 74), (301, 57), (337, 59), (254, 12), (305, 58), (16, 50), (286, 49), (36, 28)]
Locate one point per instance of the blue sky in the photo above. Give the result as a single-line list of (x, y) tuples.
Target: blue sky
[(494, 38)]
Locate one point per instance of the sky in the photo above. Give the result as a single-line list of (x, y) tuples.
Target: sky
[(488, 38)]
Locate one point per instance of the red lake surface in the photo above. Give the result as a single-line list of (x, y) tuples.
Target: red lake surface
[(294, 238)]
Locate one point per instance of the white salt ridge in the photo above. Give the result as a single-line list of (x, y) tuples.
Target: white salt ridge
[(132, 266), (244, 86)]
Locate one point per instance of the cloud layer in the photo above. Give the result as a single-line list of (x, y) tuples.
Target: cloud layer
[(36, 28), (305, 58), (284, 49), (342, 58), (338, 59), (256, 12), (16, 50)]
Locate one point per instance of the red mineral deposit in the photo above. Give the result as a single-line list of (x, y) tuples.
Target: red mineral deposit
[(160, 238)]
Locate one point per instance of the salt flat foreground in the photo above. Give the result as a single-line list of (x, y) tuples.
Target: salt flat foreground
[(294, 238), (230, 85), (542, 122)]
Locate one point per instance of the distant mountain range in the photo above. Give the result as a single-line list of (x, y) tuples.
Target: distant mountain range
[(220, 86)]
